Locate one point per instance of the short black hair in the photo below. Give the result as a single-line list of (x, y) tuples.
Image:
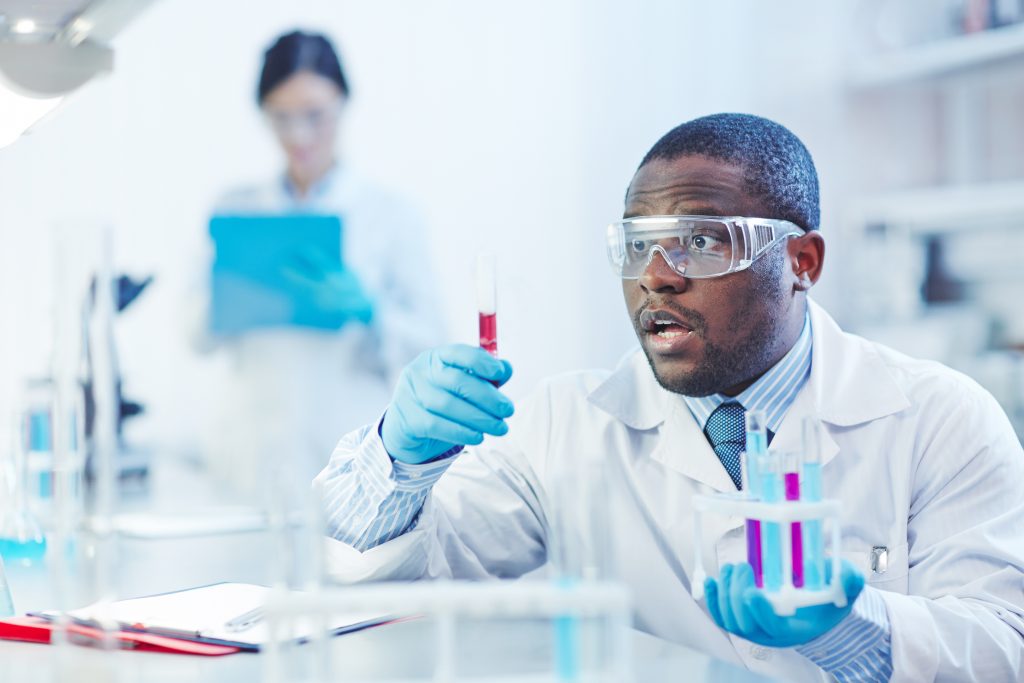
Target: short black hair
[(778, 169), (298, 51)]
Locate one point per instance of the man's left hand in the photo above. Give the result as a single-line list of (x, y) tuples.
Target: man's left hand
[(739, 607)]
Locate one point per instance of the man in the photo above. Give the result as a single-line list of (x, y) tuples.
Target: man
[(925, 463)]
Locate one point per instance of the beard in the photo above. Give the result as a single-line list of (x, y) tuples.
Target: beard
[(749, 353)]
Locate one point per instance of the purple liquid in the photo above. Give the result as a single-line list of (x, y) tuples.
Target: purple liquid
[(754, 550), (792, 480)]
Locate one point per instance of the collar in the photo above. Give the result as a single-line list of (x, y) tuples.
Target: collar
[(773, 392)]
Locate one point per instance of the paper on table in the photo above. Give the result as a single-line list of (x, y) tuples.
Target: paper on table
[(203, 613)]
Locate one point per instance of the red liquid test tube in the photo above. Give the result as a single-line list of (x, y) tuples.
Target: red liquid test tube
[(486, 299)]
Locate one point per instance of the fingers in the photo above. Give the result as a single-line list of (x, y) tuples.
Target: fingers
[(853, 581), (474, 360), (761, 612), (711, 596), (725, 599), (742, 582), (466, 412)]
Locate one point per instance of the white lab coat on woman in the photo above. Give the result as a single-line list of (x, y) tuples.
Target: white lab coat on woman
[(289, 390), (924, 462)]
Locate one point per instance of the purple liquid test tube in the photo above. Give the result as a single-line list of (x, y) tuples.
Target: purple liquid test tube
[(757, 444), (792, 484)]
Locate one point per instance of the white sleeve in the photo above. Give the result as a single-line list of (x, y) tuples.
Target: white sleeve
[(963, 618), (483, 518)]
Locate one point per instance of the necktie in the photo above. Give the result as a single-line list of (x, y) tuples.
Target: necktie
[(726, 431)]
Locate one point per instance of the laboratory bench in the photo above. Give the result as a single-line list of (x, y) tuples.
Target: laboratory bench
[(158, 552)]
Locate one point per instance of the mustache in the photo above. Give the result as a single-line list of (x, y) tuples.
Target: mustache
[(688, 315)]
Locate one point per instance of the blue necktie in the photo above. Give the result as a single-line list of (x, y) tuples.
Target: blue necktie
[(726, 431)]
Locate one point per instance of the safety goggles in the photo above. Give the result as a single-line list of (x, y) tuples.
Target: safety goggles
[(302, 124), (695, 246)]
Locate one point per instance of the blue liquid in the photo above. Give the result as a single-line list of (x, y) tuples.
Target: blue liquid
[(814, 544), (771, 540), (567, 642), (22, 552)]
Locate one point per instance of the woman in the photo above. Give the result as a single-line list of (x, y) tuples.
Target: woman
[(294, 390)]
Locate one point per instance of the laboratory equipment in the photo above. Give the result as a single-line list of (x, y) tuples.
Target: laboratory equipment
[(487, 304), (21, 536), (790, 513), (695, 246), (6, 602), (757, 445), (814, 554)]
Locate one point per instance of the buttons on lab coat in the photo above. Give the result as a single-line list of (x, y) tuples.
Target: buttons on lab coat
[(761, 653)]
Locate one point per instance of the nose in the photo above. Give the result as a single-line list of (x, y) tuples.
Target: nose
[(660, 276)]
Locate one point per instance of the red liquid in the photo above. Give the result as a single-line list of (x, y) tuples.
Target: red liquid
[(792, 480), (489, 333)]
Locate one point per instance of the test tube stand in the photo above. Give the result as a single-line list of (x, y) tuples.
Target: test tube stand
[(786, 600)]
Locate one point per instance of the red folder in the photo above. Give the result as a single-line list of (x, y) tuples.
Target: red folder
[(37, 630)]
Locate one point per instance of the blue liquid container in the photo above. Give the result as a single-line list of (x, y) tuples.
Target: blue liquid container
[(771, 539), (814, 543)]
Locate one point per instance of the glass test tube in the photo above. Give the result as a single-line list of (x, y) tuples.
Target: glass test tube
[(791, 477), (769, 468), (813, 542), (486, 296), (757, 445)]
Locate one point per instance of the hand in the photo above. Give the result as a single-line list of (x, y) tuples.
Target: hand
[(446, 398), (333, 288), (741, 608)]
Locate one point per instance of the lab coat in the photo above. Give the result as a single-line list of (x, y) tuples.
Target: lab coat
[(923, 460), (289, 390)]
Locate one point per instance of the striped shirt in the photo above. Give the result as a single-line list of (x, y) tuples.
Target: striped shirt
[(372, 499)]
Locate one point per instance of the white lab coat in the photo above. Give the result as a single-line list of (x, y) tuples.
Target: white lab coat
[(289, 390), (924, 462)]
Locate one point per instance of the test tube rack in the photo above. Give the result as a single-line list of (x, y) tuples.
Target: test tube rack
[(788, 598)]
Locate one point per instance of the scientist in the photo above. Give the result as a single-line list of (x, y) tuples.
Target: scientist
[(926, 465), (288, 387)]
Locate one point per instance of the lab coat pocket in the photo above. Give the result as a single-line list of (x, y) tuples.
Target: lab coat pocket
[(884, 567)]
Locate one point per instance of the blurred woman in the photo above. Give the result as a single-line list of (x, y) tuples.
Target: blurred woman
[(294, 390)]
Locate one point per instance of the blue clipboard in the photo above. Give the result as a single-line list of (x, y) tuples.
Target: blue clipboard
[(248, 288)]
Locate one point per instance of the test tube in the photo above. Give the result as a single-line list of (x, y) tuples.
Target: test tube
[(813, 544), (486, 299), (791, 477), (769, 468), (757, 446)]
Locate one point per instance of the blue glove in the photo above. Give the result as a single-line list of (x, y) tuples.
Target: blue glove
[(740, 608), (333, 288), (445, 398)]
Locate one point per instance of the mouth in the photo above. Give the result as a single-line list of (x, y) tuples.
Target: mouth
[(664, 331)]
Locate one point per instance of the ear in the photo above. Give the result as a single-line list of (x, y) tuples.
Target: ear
[(806, 258)]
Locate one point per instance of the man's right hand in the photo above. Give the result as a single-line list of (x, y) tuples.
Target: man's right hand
[(447, 397)]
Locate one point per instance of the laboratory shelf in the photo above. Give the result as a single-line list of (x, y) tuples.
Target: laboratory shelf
[(944, 208), (938, 58)]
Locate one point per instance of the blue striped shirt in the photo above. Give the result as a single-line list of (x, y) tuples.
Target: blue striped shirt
[(372, 499)]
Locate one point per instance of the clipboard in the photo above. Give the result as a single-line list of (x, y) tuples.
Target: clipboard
[(202, 615), (249, 290)]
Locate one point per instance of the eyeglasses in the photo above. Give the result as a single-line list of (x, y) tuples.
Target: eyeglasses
[(694, 246), (304, 123)]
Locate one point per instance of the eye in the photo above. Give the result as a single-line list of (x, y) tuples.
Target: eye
[(704, 243), (638, 246)]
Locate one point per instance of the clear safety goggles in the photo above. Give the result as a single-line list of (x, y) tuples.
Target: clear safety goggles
[(695, 246), (302, 124)]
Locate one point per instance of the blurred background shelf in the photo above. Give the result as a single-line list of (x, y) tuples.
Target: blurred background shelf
[(940, 58), (945, 208)]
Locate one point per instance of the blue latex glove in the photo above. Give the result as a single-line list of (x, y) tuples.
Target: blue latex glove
[(740, 608), (334, 289), (446, 398)]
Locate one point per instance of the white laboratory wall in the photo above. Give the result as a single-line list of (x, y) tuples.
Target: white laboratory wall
[(515, 127)]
